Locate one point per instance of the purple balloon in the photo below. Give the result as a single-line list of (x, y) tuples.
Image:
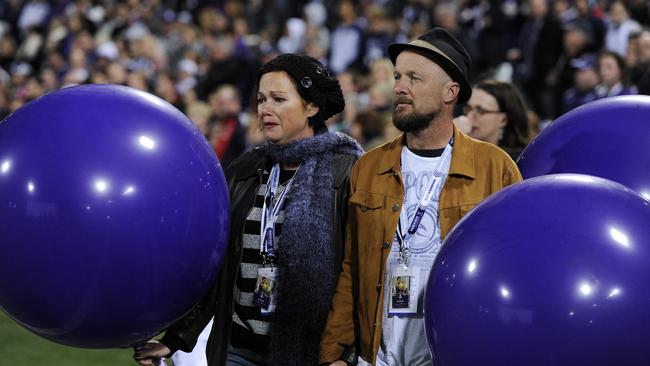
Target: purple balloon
[(114, 213), (607, 138), (551, 271)]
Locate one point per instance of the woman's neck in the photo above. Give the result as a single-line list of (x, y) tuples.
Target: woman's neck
[(287, 166)]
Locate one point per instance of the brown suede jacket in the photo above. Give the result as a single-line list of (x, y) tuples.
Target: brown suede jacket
[(477, 170)]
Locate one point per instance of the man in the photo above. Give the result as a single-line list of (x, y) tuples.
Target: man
[(406, 196), (227, 135), (585, 81)]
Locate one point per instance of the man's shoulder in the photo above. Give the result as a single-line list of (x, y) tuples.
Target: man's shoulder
[(379, 153), (482, 147)]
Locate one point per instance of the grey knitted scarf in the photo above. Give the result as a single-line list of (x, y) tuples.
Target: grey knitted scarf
[(305, 252)]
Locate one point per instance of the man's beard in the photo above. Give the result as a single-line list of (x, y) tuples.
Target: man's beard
[(413, 122)]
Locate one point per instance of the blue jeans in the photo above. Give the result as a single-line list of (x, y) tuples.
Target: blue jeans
[(237, 360)]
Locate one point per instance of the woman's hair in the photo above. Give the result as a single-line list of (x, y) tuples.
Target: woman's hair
[(620, 62), (313, 83), (516, 132)]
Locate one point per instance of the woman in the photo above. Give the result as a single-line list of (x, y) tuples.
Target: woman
[(294, 190), (497, 113), (614, 79)]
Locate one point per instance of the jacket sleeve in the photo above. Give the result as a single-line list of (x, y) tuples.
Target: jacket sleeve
[(183, 334), (511, 173), (338, 337)]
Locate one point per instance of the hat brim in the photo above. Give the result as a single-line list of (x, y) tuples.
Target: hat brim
[(445, 63)]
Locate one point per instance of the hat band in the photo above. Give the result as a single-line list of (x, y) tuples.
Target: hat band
[(429, 46)]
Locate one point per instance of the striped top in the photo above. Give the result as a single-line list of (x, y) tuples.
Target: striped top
[(250, 329)]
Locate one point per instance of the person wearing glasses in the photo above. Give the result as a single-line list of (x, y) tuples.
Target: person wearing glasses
[(496, 113)]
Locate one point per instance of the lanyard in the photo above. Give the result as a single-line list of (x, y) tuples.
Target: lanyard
[(437, 181), (270, 213)]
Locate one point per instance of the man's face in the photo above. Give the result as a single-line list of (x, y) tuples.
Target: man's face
[(586, 79), (644, 47), (417, 95)]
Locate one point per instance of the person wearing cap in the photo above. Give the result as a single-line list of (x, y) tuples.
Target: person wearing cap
[(586, 80), (405, 197), (288, 206)]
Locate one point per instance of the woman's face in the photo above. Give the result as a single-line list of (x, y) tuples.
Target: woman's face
[(608, 69), (281, 111), (485, 118)]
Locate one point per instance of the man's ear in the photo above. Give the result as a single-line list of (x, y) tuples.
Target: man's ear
[(452, 91)]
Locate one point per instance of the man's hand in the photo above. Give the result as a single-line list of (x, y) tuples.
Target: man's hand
[(151, 353)]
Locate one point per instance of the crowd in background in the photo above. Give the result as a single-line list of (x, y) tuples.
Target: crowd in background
[(202, 55)]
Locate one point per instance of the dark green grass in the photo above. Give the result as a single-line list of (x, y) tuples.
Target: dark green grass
[(20, 347)]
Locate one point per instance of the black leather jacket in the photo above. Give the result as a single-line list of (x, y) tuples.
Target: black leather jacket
[(244, 177)]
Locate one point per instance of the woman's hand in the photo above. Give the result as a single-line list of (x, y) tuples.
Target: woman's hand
[(151, 353)]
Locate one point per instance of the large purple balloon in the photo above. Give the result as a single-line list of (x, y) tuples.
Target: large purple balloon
[(114, 215), (608, 138), (552, 271)]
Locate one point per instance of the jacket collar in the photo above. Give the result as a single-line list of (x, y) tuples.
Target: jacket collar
[(462, 156), (250, 164)]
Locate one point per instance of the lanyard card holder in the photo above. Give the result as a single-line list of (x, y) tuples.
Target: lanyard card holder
[(404, 290), (265, 295)]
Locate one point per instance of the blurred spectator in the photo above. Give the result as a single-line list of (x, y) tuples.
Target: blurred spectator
[(497, 114), (381, 97), (368, 129), (639, 11), (539, 47), (185, 51), (614, 79), (33, 15), (349, 85), (585, 14), (116, 73), (137, 80), (187, 70), (347, 41), (564, 11), (226, 132), (619, 28), (7, 51), (317, 36), (78, 71), (378, 35), (632, 52), (292, 40), (586, 80), (445, 15), (4, 105), (107, 50), (48, 80), (31, 46), (164, 88), (223, 68), (487, 26), (577, 42), (199, 113), (641, 70)]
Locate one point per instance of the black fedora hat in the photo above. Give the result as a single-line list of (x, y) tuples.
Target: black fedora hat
[(442, 48)]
